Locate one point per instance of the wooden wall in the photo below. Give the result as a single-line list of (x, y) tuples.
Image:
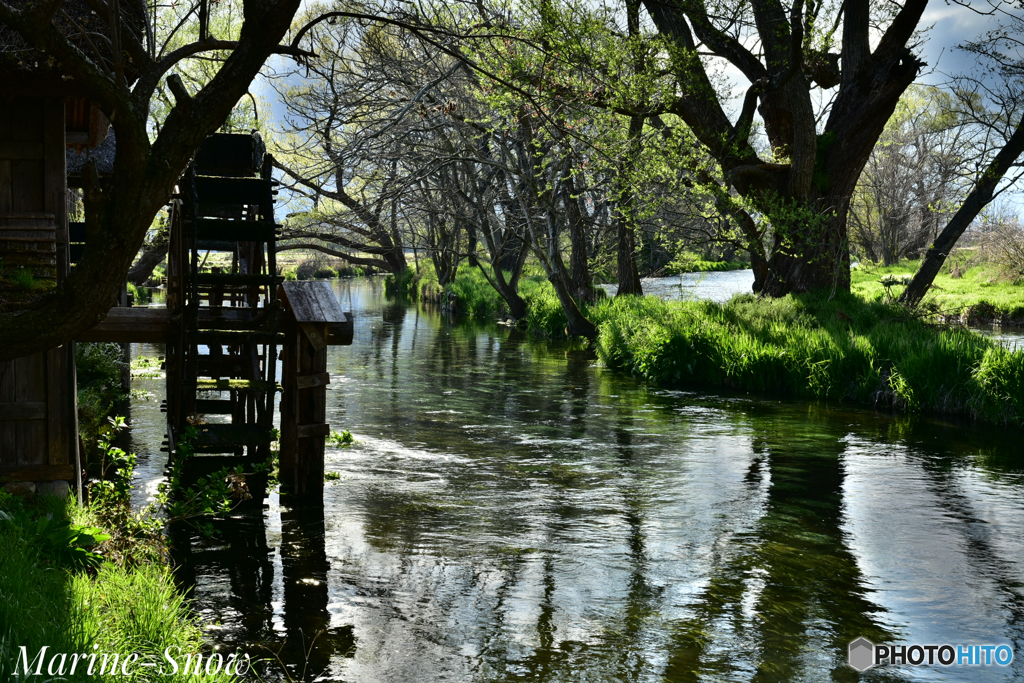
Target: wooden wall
[(38, 406)]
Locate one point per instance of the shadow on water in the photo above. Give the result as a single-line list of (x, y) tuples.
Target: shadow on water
[(512, 512)]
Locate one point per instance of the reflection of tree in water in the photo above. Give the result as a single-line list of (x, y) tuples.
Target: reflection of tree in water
[(785, 601), (941, 468)]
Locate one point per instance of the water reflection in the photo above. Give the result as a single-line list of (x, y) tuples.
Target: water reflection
[(511, 512)]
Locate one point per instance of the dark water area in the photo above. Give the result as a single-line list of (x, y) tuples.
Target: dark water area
[(511, 511)]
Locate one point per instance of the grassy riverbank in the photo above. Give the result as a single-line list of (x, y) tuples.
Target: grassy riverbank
[(846, 349), (72, 602), (980, 294), (854, 348)]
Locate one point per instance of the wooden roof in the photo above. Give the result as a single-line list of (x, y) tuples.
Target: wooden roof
[(313, 301)]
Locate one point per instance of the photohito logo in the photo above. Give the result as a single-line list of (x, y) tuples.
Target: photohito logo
[(864, 654)]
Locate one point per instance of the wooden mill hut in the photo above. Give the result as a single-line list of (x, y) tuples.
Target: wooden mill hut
[(42, 116)]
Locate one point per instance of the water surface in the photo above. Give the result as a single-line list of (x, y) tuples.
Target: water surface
[(513, 512)]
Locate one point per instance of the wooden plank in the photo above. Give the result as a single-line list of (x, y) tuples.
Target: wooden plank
[(233, 279), (320, 379), (27, 187), (314, 430), (30, 436), (22, 410), (313, 301), (207, 406), (20, 149), (234, 230), (27, 119), (37, 473), (55, 178), (56, 408), (340, 334), (131, 324), (8, 448), (214, 190), (6, 186), (317, 335), (231, 154)]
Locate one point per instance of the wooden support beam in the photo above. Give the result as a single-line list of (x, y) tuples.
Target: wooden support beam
[(135, 324), (38, 473)]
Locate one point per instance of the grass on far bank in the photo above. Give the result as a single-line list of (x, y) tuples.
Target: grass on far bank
[(846, 349), (980, 294)]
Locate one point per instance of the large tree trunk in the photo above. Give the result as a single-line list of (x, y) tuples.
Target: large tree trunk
[(579, 266), (151, 256)]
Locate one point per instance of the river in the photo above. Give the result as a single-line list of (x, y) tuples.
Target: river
[(511, 511)]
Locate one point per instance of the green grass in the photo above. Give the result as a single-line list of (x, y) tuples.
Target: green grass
[(844, 349), (114, 610), (981, 289)]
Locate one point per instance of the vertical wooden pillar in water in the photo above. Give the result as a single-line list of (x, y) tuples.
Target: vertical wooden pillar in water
[(313, 319), (304, 412)]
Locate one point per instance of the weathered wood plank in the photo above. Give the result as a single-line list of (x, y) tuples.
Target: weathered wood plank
[(55, 171), (308, 431), (20, 149), (131, 324), (234, 230), (22, 410), (317, 334), (27, 187), (6, 186), (312, 301), (8, 446), (56, 407), (320, 379), (30, 436), (37, 472)]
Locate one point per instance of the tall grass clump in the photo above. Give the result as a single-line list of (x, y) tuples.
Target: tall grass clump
[(809, 346), (474, 295), (73, 607)]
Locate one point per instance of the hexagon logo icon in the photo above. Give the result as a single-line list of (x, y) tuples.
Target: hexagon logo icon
[(862, 654)]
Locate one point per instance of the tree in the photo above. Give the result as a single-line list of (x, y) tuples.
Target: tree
[(122, 82), (804, 182), (1001, 125), (912, 179)]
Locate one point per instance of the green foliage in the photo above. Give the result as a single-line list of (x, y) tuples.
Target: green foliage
[(404, 283), (209, 496), (809, 346), (24, 279), (147, 367), (341, 439), (110, 609), (688, 262), (99, 367), (979, 293), (59, 542), (140, 295), (475, 297)]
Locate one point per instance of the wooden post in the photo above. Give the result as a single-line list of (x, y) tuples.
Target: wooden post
[(313, 319)]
